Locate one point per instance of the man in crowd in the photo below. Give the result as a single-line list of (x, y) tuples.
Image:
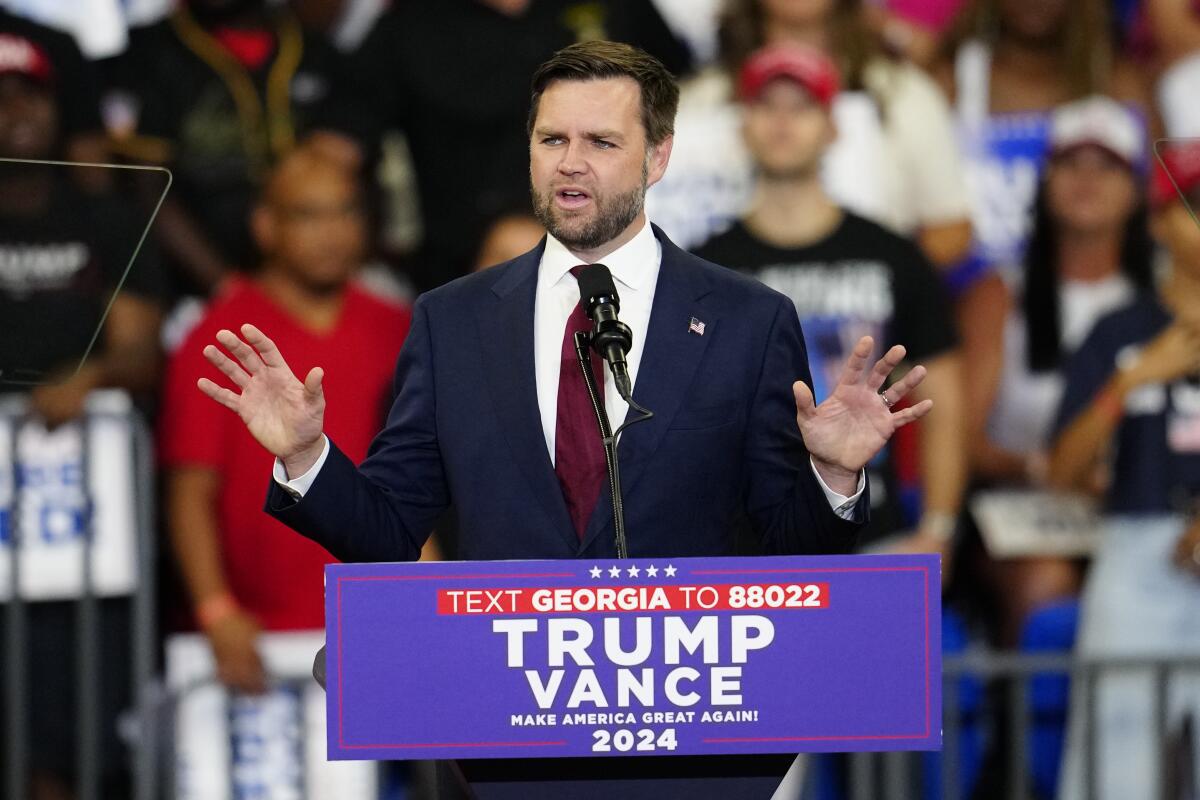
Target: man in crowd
[(847, 276), (75, 86), (64, 255), (64, 252), (225, 88), (244, 571)]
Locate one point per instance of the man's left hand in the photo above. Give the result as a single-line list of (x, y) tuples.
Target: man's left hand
[(845, 431)]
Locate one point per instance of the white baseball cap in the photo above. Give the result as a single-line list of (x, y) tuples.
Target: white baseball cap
[(1101, 122)]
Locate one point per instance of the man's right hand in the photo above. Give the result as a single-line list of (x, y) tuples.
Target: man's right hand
[(234, 642), (283, 414)]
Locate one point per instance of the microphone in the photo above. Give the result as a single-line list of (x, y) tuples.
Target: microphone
[(611, 337)]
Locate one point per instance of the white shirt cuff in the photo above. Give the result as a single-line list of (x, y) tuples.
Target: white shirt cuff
[(298, 486), (842, 506)]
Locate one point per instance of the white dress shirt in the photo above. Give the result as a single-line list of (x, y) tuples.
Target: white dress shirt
[(634, 267)]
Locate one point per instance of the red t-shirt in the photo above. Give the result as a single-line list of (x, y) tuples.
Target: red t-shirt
[(275, 573)]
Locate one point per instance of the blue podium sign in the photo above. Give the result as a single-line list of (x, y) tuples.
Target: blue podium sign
[(639, 657)]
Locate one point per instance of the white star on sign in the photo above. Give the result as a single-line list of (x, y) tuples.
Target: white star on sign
[(633, 572), (614, 572), (652, 571), (595, 572), (669, 571)]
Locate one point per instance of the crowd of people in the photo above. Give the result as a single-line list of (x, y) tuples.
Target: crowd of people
[(1005, 187)]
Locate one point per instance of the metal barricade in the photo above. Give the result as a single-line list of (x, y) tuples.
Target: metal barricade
[(211, 744), (901, 776), (870, 776), (88, 666)]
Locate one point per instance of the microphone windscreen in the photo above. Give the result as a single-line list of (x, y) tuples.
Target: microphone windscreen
[(595, 281)]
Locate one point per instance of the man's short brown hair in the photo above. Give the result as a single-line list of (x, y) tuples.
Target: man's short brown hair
[(587, 61)]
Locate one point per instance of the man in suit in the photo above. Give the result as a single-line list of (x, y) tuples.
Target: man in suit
[(492, 417), (486, 374)]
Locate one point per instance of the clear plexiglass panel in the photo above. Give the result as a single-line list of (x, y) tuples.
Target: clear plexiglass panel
[(74, 244)]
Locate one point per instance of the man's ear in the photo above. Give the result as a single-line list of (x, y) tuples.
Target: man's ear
[(658, 157)]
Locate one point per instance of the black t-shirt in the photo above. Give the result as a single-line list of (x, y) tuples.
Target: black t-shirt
[(1157, 465), (75, 82), (860, 280), (454, 75), (59, 266), (224, 124)]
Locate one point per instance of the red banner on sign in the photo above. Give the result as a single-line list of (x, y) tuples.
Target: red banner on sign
[(615, 599)]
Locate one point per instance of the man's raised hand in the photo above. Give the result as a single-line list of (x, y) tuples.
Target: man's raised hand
[(283, 414), (845, 431)]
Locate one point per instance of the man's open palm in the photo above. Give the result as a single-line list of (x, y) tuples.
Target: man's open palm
[(850, 426), (283, 414)]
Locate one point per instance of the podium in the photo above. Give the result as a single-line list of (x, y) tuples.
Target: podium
[(643, 677)]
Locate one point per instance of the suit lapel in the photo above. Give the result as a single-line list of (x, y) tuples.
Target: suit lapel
[(665, 373), (505, 323)]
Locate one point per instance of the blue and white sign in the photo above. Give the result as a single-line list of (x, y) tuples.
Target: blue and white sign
[(46, 506), (257, 747)]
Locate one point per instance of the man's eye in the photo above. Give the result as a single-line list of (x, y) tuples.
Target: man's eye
[(552, 140), (603, 145)]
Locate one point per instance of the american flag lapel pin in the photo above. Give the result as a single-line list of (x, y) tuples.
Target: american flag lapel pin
[(696, 326)]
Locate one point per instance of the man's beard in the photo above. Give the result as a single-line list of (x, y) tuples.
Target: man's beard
[(611, 217)]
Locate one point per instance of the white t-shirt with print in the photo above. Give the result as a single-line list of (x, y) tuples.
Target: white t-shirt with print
[(898, 165)]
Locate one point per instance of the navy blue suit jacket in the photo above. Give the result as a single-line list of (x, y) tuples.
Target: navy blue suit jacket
[(465, 429)]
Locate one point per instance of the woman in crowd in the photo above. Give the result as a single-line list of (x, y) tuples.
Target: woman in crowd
[(1006, 65), (1130, 416), (1133, 395), (895, 160), (1089, 253)]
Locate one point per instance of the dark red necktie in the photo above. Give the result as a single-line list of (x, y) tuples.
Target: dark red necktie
[(578, 447)]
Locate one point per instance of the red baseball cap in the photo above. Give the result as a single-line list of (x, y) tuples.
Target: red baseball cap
[(21, 56), (1182, 160), (807, 66)]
